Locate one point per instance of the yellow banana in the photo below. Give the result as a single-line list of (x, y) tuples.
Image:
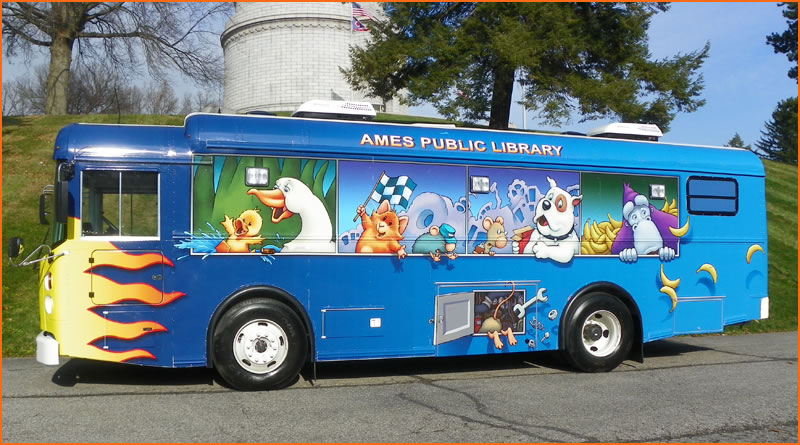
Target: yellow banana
[(616, 224), (610, 234), (598, 248), (672, 296), (751, 250), (710, 269), (682, 231), (667, 282)]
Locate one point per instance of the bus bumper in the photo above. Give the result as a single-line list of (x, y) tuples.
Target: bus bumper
[(46, 349)]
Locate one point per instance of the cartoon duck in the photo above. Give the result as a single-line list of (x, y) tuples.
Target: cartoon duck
[(291, 196), (242, 232)]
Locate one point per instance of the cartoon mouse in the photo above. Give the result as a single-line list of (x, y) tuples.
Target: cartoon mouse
[(494, 327), (495, 236), (382, 231), (437, 241)]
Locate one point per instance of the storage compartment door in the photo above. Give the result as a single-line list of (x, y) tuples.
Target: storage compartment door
[(454, 317)]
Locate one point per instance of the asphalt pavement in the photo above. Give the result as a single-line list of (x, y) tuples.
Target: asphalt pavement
[(690, 389)]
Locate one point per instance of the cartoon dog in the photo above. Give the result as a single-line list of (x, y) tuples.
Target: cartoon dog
[(242, 232), (554, 234)]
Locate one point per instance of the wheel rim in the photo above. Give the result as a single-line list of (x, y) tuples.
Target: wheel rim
[(260, 346), (602, 333)]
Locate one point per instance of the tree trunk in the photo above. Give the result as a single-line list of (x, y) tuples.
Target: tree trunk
[(58, 75), (501, 97)]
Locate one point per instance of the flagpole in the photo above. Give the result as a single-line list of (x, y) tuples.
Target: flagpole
[(351, 44), (370, 193)]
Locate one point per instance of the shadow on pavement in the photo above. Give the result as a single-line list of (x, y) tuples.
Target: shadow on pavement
[(667, 348), (94, 372)]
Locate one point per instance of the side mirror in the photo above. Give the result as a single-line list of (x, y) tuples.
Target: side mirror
[(15, 247), (62, 201)]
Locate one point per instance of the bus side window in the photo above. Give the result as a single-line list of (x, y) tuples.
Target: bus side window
[(712, 196), (117, 203)]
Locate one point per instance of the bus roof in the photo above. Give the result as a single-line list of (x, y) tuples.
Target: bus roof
[(243, 135)]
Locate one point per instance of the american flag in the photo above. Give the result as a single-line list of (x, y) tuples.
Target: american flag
[(358, 26), (358, 11)]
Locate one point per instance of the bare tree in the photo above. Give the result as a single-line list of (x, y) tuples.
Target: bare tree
[(163, 34), (25, 95), (200, 100), (161, 99), (11, 101)]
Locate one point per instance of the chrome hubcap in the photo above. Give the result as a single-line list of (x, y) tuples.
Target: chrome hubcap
[(260, 346), (602, 333)]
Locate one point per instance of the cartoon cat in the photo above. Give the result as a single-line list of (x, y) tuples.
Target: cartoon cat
[(382, 231)]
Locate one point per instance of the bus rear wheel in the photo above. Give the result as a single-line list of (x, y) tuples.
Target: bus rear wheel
[(599, 333), (259, 344)]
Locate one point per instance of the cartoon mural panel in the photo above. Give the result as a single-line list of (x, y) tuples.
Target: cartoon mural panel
[(637, 215), (531, 212), (262, 205), (398, 208)]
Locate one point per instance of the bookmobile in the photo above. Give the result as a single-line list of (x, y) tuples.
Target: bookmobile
[(258, 245)]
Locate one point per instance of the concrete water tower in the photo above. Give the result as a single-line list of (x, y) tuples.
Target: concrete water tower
[(279, 55)]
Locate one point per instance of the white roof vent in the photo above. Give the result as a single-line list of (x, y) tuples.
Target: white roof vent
[(620, 130), (335, 109)]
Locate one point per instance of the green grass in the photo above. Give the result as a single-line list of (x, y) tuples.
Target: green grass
[(781, 184), (27, 166)]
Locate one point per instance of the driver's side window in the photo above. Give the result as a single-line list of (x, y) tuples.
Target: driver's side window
[(119, 203)]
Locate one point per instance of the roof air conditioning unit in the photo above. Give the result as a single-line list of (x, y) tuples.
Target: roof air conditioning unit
[(336, 109), (636, 132)]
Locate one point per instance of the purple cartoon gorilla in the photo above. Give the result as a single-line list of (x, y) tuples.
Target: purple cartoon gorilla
[(645, 229)]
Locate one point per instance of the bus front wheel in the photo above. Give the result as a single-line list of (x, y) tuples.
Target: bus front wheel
[(598, 333), (259, 344)]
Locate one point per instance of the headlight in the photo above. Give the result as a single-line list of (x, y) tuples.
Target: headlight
[(48, 281), (48, 304)]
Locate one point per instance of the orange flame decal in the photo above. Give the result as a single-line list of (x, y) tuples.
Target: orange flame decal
[(124, 356), (129, 331), (85, 327), (129, 261), (110, 292)]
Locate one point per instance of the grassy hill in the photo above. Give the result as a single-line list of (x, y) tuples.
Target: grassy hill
[(27, 166)]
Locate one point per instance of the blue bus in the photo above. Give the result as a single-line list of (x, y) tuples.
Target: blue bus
[(258, 245)]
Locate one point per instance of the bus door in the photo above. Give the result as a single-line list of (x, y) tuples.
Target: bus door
[(120, 221)]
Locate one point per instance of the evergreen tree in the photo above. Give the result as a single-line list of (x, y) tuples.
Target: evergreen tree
[(738, 142), (786, 42), (779, 141), (585, 58)]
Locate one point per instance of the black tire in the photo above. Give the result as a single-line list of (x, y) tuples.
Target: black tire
[(599, 333), (259, 344)]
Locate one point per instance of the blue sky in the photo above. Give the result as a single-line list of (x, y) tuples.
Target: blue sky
[(744, 78)]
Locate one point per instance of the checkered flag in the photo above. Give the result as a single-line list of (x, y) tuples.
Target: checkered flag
[(397, 190)]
